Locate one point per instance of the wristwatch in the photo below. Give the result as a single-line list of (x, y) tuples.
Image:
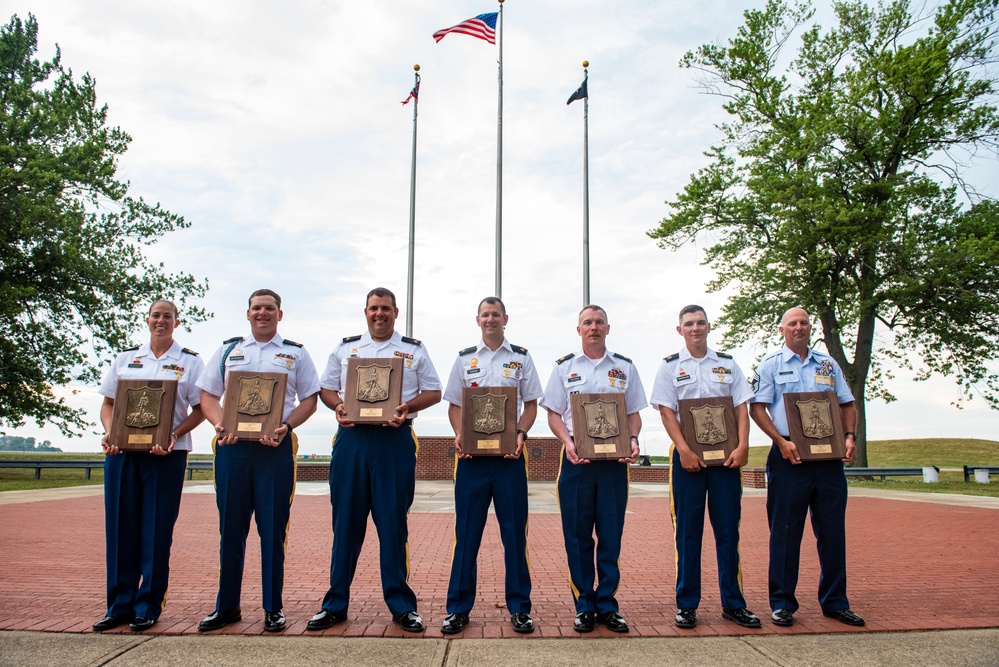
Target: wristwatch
[(520, 430)]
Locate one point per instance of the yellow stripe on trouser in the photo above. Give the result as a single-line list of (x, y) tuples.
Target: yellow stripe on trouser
[(672, 515), (416, 454), (558, 499)]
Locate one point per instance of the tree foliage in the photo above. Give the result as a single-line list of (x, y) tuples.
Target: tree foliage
[(841, 184), (74, 281), (14, 443)]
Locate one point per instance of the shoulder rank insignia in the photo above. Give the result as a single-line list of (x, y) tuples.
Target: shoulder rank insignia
[(621, 356), (234, 339), (672, 357), (566, 358), (467, 350), (411, 341), (518, 349), (187, 350), (131, 349), (291, 342), (724, 355), (351, 339)]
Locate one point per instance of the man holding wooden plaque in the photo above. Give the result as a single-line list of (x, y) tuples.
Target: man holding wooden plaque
[(701, 396), (144, 473), (493, 393), (800, 480), (260, 377), (373, 466), (593, 494)]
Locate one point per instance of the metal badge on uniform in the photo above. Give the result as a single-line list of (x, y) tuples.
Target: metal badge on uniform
[(143, 414), (406, 357), (373, 389), (815, 425), (286, 360), (617, 378), (253, 406), (489, 421), (709, 427), (600, 426)]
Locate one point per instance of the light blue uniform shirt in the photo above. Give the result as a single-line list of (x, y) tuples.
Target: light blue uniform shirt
[(784, 372)]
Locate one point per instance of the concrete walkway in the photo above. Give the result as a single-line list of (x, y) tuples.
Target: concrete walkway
[(922, 572)]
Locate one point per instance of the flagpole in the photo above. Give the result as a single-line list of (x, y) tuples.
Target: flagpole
[(412, 210), (499, 164), (586, 186)]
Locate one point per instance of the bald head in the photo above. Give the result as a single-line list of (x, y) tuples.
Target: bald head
[(796, 311), (796, 329)]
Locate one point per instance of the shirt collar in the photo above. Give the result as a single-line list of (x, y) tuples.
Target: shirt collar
[(146, 351), (276, 340), (685, 355), (787, 353), (505, 345)]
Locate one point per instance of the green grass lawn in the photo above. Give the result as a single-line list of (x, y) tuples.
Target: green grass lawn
[(940, 452), (21, 479)]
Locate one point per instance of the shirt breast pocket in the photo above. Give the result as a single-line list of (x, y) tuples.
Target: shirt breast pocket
[(786, 378)]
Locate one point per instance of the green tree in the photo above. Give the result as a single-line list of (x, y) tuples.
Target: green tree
[(73, 278), (841, 185)]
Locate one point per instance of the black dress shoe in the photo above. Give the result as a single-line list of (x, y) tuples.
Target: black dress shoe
[(613, 620), (326, 619), (274, 621), (109, 622), (584, 621), (410, 621), (743, 617), (142, 623), (454, 623), (522, 622), (218, 619), (782, 617), (845, 616), (685, 618)]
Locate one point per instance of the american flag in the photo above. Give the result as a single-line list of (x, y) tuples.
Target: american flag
[(414, 94), (482, 26)]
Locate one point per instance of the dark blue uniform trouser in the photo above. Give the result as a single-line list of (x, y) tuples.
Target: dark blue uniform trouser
[(253, 479), (477, 481), (721, 488), (593, 496), (141, 503), (372, 471), (793, 490)]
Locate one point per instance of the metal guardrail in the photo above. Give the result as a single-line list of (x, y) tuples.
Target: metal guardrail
[(970, 470), (885, 472)]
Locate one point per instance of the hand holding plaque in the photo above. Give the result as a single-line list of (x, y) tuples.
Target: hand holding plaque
[(815, 425), (142, 414), (254, 404), (373, 389), (489, 421), (600, 426), (709, 427)]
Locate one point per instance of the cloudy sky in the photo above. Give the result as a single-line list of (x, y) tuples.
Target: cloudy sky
[(276, 130)]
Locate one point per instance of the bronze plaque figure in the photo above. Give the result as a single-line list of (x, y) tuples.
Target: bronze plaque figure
[(253, 406), (143, 414), (255, 395), (815, 425), (372, 389), (600, 426), (709, 427)]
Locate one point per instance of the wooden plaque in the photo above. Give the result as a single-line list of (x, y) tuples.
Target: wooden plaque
[(143, 414), (600, 426), (489, 421), (815, 425), (373, 389), (253, 406), (709, 427)]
